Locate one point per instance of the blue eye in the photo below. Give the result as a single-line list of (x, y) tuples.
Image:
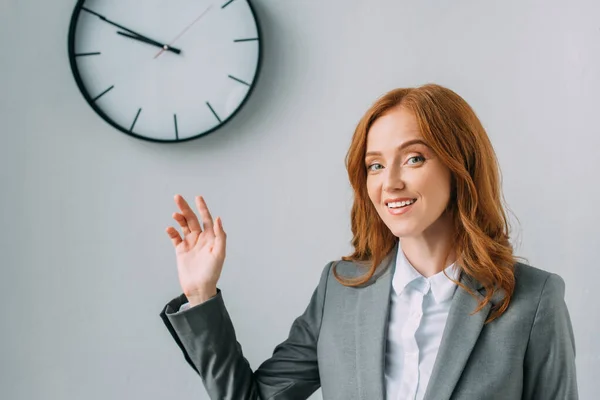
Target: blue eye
[(421, 158), (377, 166)]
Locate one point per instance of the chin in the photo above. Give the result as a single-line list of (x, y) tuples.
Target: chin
[(403, 231), (402, 235)]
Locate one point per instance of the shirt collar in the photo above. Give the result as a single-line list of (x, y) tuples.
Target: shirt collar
[(405, 274)]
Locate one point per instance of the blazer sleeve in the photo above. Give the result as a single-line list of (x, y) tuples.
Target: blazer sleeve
[(549, 366), (207, 338)]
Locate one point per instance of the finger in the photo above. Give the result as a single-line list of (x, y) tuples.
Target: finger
[(220, 237), (188, 213), (182, 221), (174, 235), (207, 220)]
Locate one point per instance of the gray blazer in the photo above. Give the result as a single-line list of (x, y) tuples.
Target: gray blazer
[(338, 344)]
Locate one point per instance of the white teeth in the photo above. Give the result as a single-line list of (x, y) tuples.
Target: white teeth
[(398, 204)]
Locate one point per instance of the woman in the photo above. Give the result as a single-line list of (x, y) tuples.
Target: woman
[(432, 304)]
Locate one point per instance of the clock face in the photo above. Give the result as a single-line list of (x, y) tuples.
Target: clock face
[(165, 70)]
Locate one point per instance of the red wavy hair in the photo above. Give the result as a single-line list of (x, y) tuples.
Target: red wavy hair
[(453, 131)]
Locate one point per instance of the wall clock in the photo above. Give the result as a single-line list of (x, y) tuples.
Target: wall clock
[(165, 70)]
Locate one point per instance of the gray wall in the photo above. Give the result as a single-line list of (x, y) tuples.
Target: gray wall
[(87, 266)]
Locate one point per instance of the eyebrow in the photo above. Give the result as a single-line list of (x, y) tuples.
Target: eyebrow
[(399, 148)]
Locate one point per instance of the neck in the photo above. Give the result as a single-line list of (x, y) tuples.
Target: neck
[(433, 250)]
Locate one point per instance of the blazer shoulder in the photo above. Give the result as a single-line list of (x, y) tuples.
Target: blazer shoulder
[(532, 281), (347, 269), (352, 269)]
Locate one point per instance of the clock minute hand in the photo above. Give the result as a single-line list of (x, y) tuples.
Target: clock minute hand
[(141, 37), (151, 42)]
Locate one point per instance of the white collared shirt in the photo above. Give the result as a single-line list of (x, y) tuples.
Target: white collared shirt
[(419, 309)]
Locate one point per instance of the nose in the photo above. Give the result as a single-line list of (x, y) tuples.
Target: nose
[(393, 179)]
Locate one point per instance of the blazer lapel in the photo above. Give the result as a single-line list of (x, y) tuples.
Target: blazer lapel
[(371, 330), (459, 338)]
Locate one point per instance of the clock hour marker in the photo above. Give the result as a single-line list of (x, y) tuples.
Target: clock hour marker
[(176, 130), (245, 40), (239, 80), (226, 4), (103, 93), (96, 53), (135, 119), (213, 111)]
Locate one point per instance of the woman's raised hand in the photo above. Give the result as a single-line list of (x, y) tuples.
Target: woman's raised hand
[(201, 252)]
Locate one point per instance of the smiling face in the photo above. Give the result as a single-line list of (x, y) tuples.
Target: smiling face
[(407, 184)]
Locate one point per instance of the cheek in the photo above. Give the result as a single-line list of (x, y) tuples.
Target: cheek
[(372, 190), (434, 185), (439, 187)]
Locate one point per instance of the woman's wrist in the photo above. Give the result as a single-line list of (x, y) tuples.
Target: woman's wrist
[(201, 296)]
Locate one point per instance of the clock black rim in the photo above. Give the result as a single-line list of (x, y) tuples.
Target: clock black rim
[(106, 118)]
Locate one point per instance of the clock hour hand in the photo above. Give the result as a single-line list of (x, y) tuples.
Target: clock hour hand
[(149, 41), (134, 33)]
